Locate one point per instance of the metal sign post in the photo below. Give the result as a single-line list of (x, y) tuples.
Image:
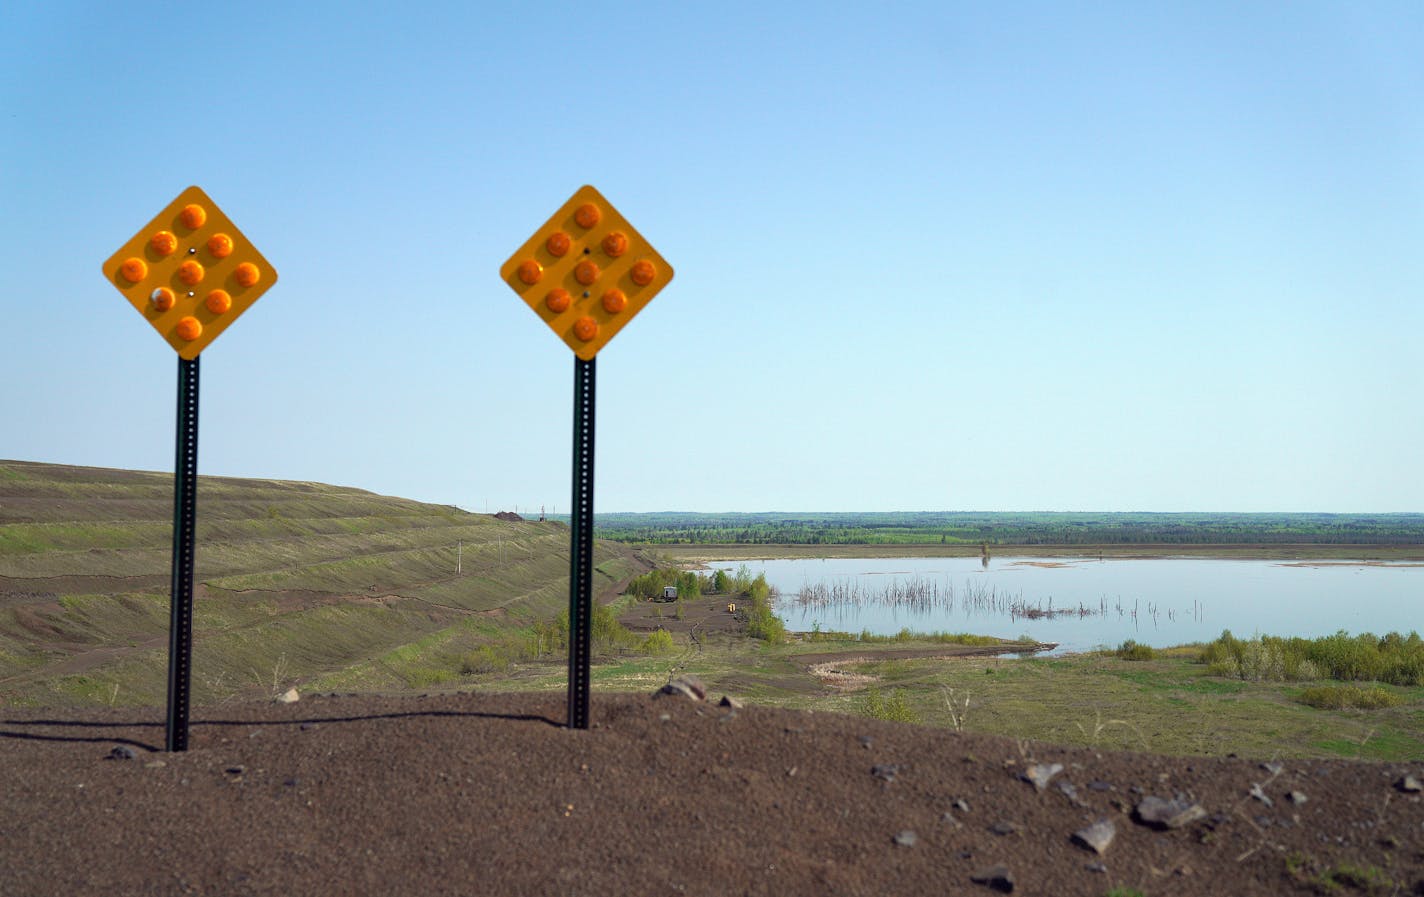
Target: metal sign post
[(586, 273), (190, 273)]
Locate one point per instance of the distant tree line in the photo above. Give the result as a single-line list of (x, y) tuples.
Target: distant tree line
[(1011, 528)]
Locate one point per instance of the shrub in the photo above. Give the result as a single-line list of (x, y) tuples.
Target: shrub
[(658, 642), (1338, 697), (1131, 650), (892, 708)]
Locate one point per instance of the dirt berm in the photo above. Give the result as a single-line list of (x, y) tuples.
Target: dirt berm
[(488, 794)]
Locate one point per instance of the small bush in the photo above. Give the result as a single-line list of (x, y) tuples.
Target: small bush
[(1131, 650), (892, 708), (1338, 697), (657, 643)]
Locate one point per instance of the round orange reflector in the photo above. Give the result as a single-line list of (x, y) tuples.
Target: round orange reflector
[(614, 301), (558, 300), (586, 272), (586, 328), (218, 301), (530, 271), (220, 245), (588, 215), (190, 272), (134, 269), (615, 244), (164, 243), (643, 272), (190, 328), (247, 274), (162, 299), (558, 243), (193, 215)]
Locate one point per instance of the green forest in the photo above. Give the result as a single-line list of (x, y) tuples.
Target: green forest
[(1010, 528)]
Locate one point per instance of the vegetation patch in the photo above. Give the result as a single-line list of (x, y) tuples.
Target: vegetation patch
[(1393, 658), (1337, 697)]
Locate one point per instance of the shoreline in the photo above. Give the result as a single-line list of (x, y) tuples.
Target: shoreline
[(1324, 554)]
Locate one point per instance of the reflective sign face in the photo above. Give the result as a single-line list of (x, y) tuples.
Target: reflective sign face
[(190, 272), (586, 272)]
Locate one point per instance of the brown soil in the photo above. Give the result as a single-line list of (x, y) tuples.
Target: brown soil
[(702, 615), (476, 793)]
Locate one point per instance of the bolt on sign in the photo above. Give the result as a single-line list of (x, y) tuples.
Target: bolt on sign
[(586, 272), (190, 272)]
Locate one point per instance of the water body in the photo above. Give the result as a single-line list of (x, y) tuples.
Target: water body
[(1158, 602)]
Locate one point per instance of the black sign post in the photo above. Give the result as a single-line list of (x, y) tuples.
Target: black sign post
[(581, 546), (185, 518)]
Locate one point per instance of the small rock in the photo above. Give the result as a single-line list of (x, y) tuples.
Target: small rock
[(292, 783), (1409, 784), (1273, 768), (1040, 774), (907, 838), (948, 819), (1168, 814), (155, 764), (886, 771), (686, 686), (290, 696), (729, 701), (1096, 867), (1298, 797), (961, 805), (1098, 836), (866, 741), (307, 727), (235, 770), (1003, 828), (1260, 795), (996, 878), (122, 752), (1099, 786), (1069, 790)]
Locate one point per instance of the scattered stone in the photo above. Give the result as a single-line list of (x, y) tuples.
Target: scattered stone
[(1260, 795), (907, 838), (665, 717), (1298, 797), (961, 805), (307, 727), (729, 701), (866, 741), (1168, 814), (292, 783), (1098, 836), (1273, 768), (1003, 828), (1040, 774), (995, 878), (290, 696), (686, 686), (1099, 786), (1409, 784), (948, 819), (1069, 790), (155, 764), (235, 770), (122, 752), (1096, 867), (886, 771)]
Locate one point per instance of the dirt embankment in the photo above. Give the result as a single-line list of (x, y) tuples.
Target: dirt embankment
[(474, 793)]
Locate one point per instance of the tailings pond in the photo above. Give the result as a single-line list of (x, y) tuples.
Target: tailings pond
[(1086, 603)]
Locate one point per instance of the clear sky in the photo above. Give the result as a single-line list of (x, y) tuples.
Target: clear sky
[(1118, 256)]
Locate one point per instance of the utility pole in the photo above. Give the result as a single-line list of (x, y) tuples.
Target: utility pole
[(459, 557)]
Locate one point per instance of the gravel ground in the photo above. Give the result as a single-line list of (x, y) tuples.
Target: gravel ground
[(488, 794)]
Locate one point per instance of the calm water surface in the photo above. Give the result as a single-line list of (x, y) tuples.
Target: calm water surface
[(1159, 602)]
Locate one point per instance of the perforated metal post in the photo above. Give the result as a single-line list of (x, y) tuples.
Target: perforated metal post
[(185, 515), (581, 547)]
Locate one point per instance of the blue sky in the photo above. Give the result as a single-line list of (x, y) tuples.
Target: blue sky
[(929, 256)]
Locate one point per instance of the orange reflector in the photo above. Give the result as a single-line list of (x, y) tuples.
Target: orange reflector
[(193, 215), (588, 215), (162, 299), (615, 244), (218, 301), (586, 272), (643, 272), (558, 300), (530, 271), (190, 328), (220, 245), (614, 301), (247, 274), (190, 272), (134, 269), (558, 243), (586, 329), (164, 243)]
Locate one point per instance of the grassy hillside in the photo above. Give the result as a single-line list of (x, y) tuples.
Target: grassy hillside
[(298, 583)]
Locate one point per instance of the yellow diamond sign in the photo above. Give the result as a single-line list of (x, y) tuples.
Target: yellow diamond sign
[(586, 272), (190, 272)]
